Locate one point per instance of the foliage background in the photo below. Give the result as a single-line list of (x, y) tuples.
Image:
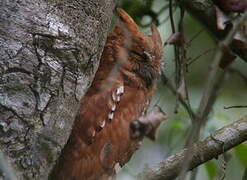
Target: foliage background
[(172, 134)]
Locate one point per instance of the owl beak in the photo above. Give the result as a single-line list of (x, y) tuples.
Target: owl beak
[(156, 35), (127, 21)]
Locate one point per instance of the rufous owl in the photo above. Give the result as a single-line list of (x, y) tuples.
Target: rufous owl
[(120, 93)]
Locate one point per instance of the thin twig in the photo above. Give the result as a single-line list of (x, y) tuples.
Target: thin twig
[(171, 17), (194, 36), (204, 11), (168, 83), (238, 106), (183, 60), (208, 95), (215, 66), (196, 128), (199, 56), (176, 54), (161, 11)]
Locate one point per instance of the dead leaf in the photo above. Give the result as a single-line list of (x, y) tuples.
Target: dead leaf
[(147, 125)]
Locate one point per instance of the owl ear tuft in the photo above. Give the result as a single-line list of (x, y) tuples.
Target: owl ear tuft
[(156, 35), (127, 21)]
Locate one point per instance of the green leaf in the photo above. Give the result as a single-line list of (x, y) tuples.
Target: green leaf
[(241, 153), (222, 116), (211, 169), (177, 125)]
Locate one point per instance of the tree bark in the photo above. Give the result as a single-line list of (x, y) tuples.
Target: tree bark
[(49, 52)]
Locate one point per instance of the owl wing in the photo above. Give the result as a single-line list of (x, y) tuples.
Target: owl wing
[(97, 108)]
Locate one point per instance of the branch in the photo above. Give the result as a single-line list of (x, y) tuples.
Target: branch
[(204, 11), (211, 147), (209, 95), (168, 83), (237, 106)]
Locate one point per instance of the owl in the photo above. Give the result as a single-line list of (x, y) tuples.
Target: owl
[(100, 140)]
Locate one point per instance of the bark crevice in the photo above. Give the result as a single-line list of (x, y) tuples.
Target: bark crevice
[(49, 52)]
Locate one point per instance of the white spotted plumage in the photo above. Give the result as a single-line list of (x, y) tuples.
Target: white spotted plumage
[(118, 99), (113, 108), (110, 116), (120, 90), (103, 124), (114, 97)]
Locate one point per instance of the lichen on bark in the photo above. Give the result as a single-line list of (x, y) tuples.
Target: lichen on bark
[(49, 52)]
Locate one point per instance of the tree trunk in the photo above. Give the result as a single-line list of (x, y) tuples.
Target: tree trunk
[(49, 52)]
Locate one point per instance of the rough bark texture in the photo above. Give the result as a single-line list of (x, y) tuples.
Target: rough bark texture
[(49, 52)]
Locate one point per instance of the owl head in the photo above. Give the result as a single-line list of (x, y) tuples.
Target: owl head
[(138, 52)]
